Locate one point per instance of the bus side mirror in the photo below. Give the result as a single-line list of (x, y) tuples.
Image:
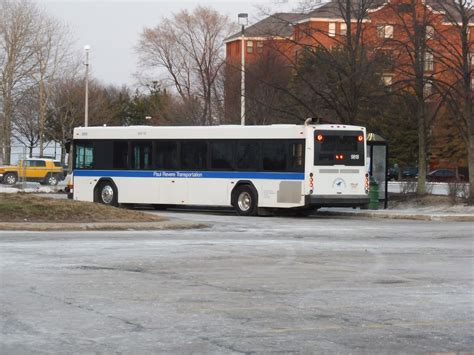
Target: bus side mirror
[(67, 146)]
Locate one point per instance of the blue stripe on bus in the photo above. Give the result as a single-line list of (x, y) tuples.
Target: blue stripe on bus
[(191, 174)]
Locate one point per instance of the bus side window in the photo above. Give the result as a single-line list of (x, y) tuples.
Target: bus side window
[(274, 155), (166, 153), (103, 154), (221, 154), (141, 155), (84, 156), (296, 156), (121, 155), (193, 155), (247, 155)]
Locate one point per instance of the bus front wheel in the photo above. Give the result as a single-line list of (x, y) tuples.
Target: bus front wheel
[(245, 201), (107, 194)]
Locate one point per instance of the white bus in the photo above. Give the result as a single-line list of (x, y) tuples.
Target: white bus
[(302, 167)]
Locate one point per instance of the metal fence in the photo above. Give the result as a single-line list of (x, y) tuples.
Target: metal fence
[(19, 151)]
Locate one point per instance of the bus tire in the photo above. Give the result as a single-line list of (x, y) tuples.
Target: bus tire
[(245, 200), (107, 193)]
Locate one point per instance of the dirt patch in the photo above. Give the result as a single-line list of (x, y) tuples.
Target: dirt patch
[(400, 201), (27, 208), (397, 201)]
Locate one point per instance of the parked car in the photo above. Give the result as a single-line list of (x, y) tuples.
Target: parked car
[(444, 175), (44, 171), (410, 173)]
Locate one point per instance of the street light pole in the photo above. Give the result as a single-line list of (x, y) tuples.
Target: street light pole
[(243, 21), (86, 105)]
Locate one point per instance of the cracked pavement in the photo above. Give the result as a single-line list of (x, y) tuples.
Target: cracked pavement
[(245, 285)]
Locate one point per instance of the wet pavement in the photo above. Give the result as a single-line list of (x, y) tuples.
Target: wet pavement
[(245, 285)]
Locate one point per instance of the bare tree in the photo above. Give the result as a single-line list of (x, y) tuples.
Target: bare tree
[(65, 110), (189, 46), (26, 123), (336, 74), (52, 52), (458, 61), (416, 71), (17, 31)]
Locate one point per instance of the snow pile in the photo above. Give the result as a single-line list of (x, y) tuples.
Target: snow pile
[(30, 188)]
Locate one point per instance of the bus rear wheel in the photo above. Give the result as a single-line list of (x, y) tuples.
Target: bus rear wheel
[(107, 194), (245, 201)]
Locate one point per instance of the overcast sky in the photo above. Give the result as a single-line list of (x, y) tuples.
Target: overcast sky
[(112, 28)]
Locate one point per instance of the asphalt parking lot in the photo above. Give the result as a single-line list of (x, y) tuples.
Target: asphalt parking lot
[(245, 285)]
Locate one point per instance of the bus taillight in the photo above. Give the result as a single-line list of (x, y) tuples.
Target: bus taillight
[(366, 183), (311, 183), (320, 137), (360, 138)]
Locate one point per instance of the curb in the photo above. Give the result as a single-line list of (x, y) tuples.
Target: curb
[(119, 226), (412, 217)]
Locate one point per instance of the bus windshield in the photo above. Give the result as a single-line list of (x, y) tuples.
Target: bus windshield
[(339, 148)]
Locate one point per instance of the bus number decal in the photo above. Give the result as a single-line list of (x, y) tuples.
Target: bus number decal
[(355, 156)]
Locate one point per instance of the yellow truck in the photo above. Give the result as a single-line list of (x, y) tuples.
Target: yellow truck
[(44, 171)]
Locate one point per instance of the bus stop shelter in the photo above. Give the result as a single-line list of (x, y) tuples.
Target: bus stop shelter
[(377, 151)]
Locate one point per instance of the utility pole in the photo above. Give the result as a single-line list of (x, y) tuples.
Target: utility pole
[(243, 21), (86, 104)]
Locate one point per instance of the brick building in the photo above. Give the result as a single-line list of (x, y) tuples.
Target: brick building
[(385, 26)]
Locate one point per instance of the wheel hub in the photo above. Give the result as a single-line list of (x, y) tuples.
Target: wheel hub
[(10, 179), (107, 194), (244, 201)]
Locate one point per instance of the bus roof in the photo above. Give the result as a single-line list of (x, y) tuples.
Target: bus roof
[(202, 132)]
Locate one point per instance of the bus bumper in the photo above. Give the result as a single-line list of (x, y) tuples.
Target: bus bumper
[(336, 200)]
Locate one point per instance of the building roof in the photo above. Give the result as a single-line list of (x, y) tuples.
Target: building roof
[(276, 25), (450, 7), (281, 24), (332, 9)]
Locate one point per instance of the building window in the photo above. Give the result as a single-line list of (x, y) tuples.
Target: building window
[(428, 89), (430, 31), (385, 31), (259, 47), (471, 57), (387, 80), (386, 59), (343, 29), (332, 29), (249, 46), (429, 61)]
